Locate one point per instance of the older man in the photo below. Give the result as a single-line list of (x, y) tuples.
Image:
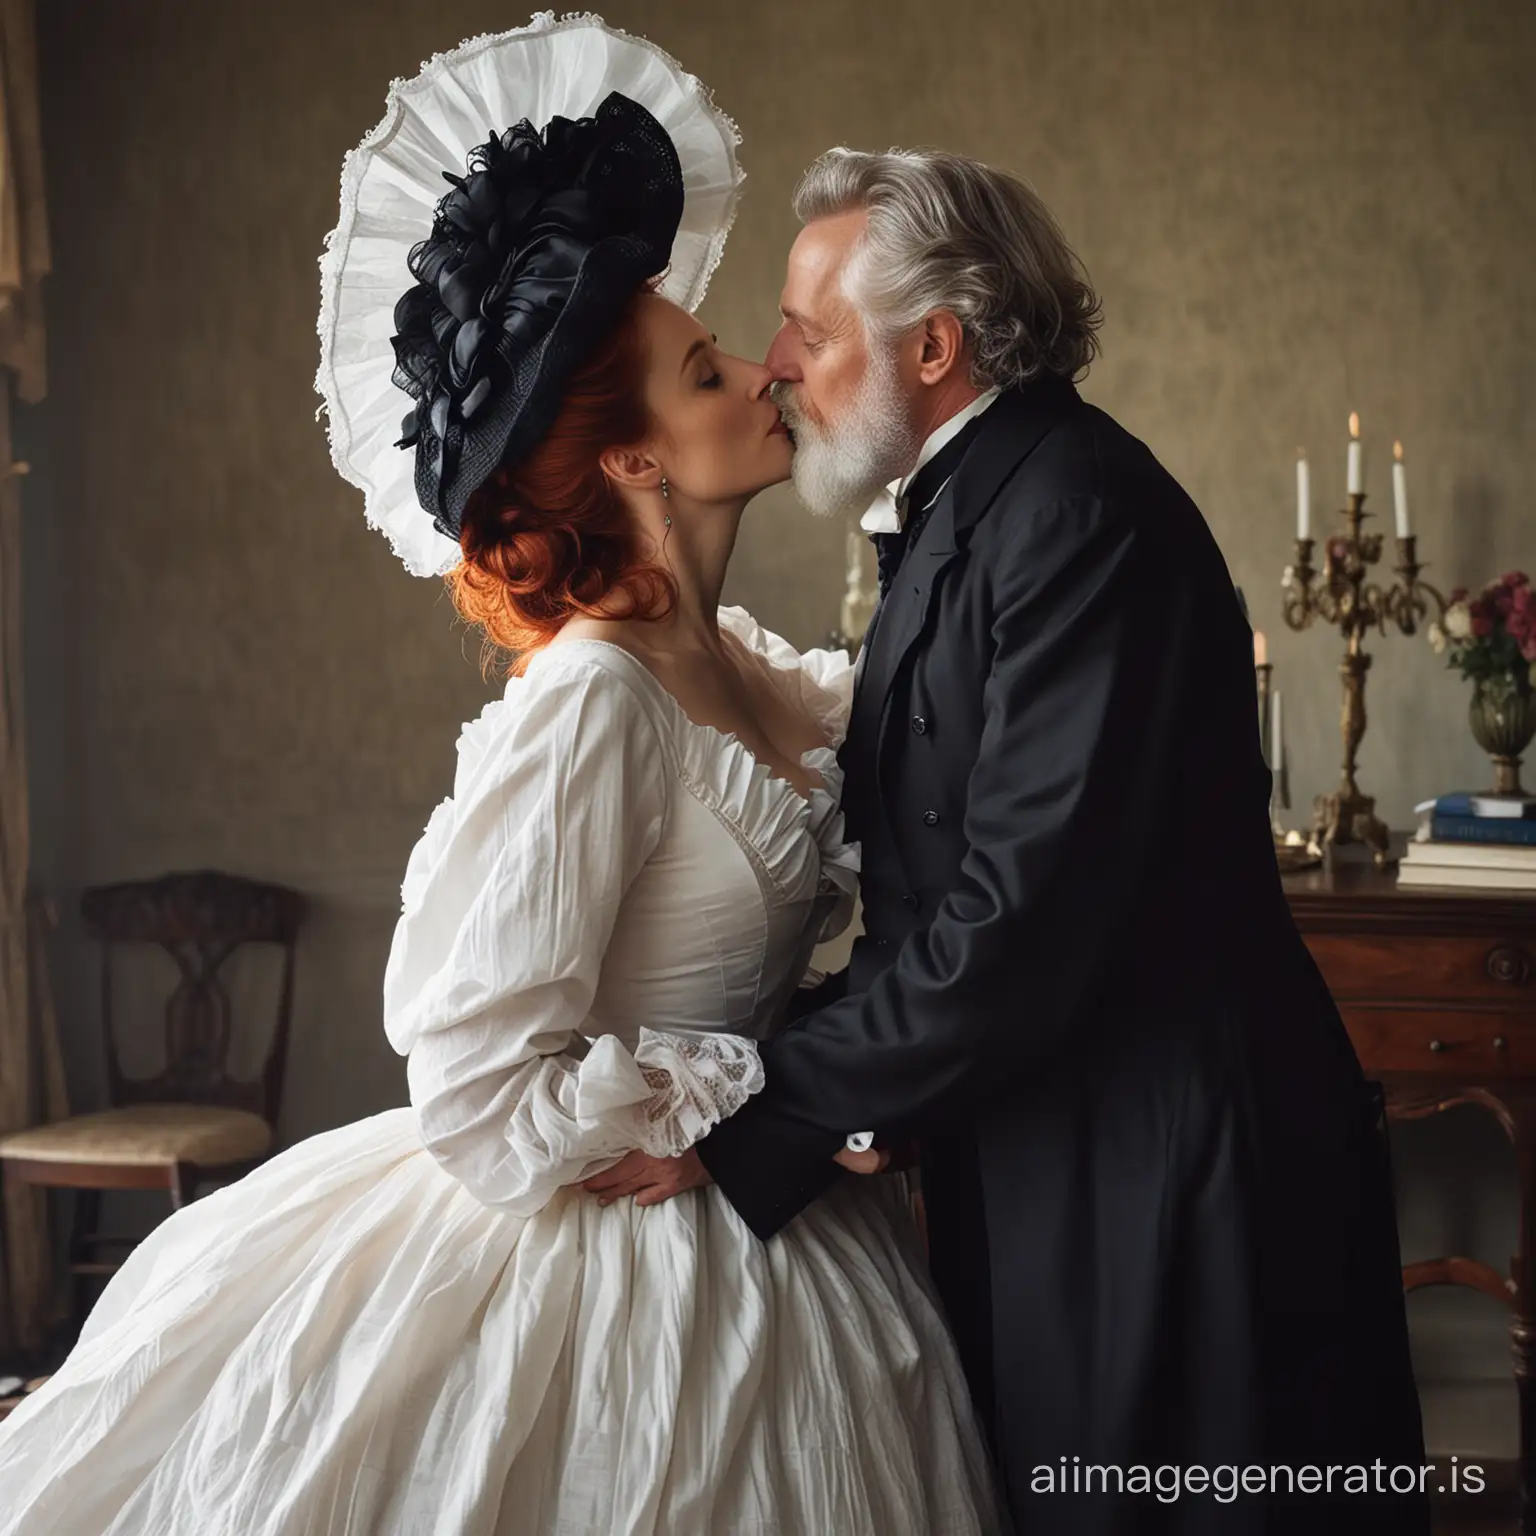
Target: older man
[(1159, 1208)]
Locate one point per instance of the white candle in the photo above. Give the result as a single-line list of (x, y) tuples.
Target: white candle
[(1400, 490), (1303, 496), (1260, 649), (1276, 736), (1355, 483)]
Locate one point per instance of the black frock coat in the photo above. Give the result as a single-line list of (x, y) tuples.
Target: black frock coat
[(1160, 1211)]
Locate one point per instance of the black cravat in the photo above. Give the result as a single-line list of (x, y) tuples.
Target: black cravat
[(891, 548)]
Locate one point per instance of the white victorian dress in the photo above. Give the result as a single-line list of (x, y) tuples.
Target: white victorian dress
[(415, 1326)]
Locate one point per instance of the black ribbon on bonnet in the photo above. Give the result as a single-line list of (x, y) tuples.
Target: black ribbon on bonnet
[(496, 278)]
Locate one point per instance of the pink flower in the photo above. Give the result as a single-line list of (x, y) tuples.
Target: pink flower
[(1482, 620), (1524, 599), (1515, 579), (1503, 602), (1519, 624), (1459, 595)]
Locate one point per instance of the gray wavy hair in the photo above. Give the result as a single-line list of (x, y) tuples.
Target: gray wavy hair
[(947, 232)]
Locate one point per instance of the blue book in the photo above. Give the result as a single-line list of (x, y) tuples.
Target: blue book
[(1481, 829), (1499, 807), (1454, 805)]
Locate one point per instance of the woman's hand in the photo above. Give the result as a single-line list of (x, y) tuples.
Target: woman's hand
[(649, 1179), (652, 1180)]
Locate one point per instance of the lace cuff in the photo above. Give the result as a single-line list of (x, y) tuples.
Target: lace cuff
[(696, 1082)]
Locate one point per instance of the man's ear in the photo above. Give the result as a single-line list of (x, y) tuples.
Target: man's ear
[(633, 468), (943, 347)]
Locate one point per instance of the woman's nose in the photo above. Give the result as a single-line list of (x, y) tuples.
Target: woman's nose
[(760, 378)]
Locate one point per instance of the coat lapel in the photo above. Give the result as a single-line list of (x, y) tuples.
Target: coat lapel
[(1009, 432), (902, 615)]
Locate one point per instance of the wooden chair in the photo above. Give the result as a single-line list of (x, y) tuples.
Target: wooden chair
[(193, 1121)]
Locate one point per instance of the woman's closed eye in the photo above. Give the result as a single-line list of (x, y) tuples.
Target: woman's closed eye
[(712, 381)]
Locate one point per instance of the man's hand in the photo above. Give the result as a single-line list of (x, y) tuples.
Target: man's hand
[(876, 1160), (649, 1179)]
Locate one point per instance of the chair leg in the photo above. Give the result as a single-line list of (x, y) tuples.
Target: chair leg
[(184, 1184), (82, 1245), (6, 1185)]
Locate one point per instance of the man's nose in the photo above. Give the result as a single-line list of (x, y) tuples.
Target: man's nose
[(780, 361)]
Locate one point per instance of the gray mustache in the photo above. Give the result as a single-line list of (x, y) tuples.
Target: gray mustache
[(782, 395)]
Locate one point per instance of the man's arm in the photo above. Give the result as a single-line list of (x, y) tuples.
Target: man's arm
[(1078, 736)]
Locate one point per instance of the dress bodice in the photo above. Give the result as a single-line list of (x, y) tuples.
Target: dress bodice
[(613, 904), (748, 874)]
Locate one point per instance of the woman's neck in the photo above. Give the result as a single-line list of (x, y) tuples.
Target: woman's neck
[(696, 552)]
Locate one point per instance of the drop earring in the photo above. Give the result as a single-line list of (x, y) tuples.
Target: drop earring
[(666, 495)]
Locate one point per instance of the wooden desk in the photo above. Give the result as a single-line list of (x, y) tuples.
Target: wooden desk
[(1438, 992)]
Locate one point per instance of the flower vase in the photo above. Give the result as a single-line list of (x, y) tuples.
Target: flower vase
[(1503, 718)]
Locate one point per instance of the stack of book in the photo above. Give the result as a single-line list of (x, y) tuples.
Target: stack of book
[(1487, 841)]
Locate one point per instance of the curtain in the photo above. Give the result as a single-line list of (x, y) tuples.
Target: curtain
[(24, 254), (31, 1072)]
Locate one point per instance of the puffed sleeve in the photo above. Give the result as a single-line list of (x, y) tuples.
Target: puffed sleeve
[(509, 901)]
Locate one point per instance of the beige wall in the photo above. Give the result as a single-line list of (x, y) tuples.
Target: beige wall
[(1292, 210)]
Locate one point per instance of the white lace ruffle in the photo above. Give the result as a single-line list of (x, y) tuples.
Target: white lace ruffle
[(392, 182), (820, 683), (696, 1081)]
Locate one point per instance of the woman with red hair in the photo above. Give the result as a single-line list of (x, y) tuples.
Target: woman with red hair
[(422, 1323)]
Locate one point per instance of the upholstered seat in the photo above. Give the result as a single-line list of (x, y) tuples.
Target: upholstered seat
[(143, 1134), (192, 1123)]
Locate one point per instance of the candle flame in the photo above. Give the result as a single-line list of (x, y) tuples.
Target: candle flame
[(1354, 424), (1397, 452), (1301, 453)]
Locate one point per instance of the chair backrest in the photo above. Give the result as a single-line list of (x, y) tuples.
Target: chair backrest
[(199, 918)]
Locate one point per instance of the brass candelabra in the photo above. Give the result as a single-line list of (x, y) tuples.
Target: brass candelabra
[(1280, 795), (1292, 850), (860, 595), (1346, 598)]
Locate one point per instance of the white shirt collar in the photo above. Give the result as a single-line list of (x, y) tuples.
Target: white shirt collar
[(886, 511)]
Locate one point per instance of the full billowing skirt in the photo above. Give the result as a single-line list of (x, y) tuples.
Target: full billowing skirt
[(346, 1342)]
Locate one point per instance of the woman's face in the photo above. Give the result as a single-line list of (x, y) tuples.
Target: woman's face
[(719, 438)]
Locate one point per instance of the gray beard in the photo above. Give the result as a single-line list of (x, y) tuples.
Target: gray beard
[(839, 466)]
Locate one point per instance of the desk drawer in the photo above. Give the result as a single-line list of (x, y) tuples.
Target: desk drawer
[(1389, 970), (1447, 1042)]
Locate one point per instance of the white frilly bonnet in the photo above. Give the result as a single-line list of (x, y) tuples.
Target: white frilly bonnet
[(467, 295)]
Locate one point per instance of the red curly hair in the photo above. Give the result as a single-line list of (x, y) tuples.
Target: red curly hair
[(551, 538)]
